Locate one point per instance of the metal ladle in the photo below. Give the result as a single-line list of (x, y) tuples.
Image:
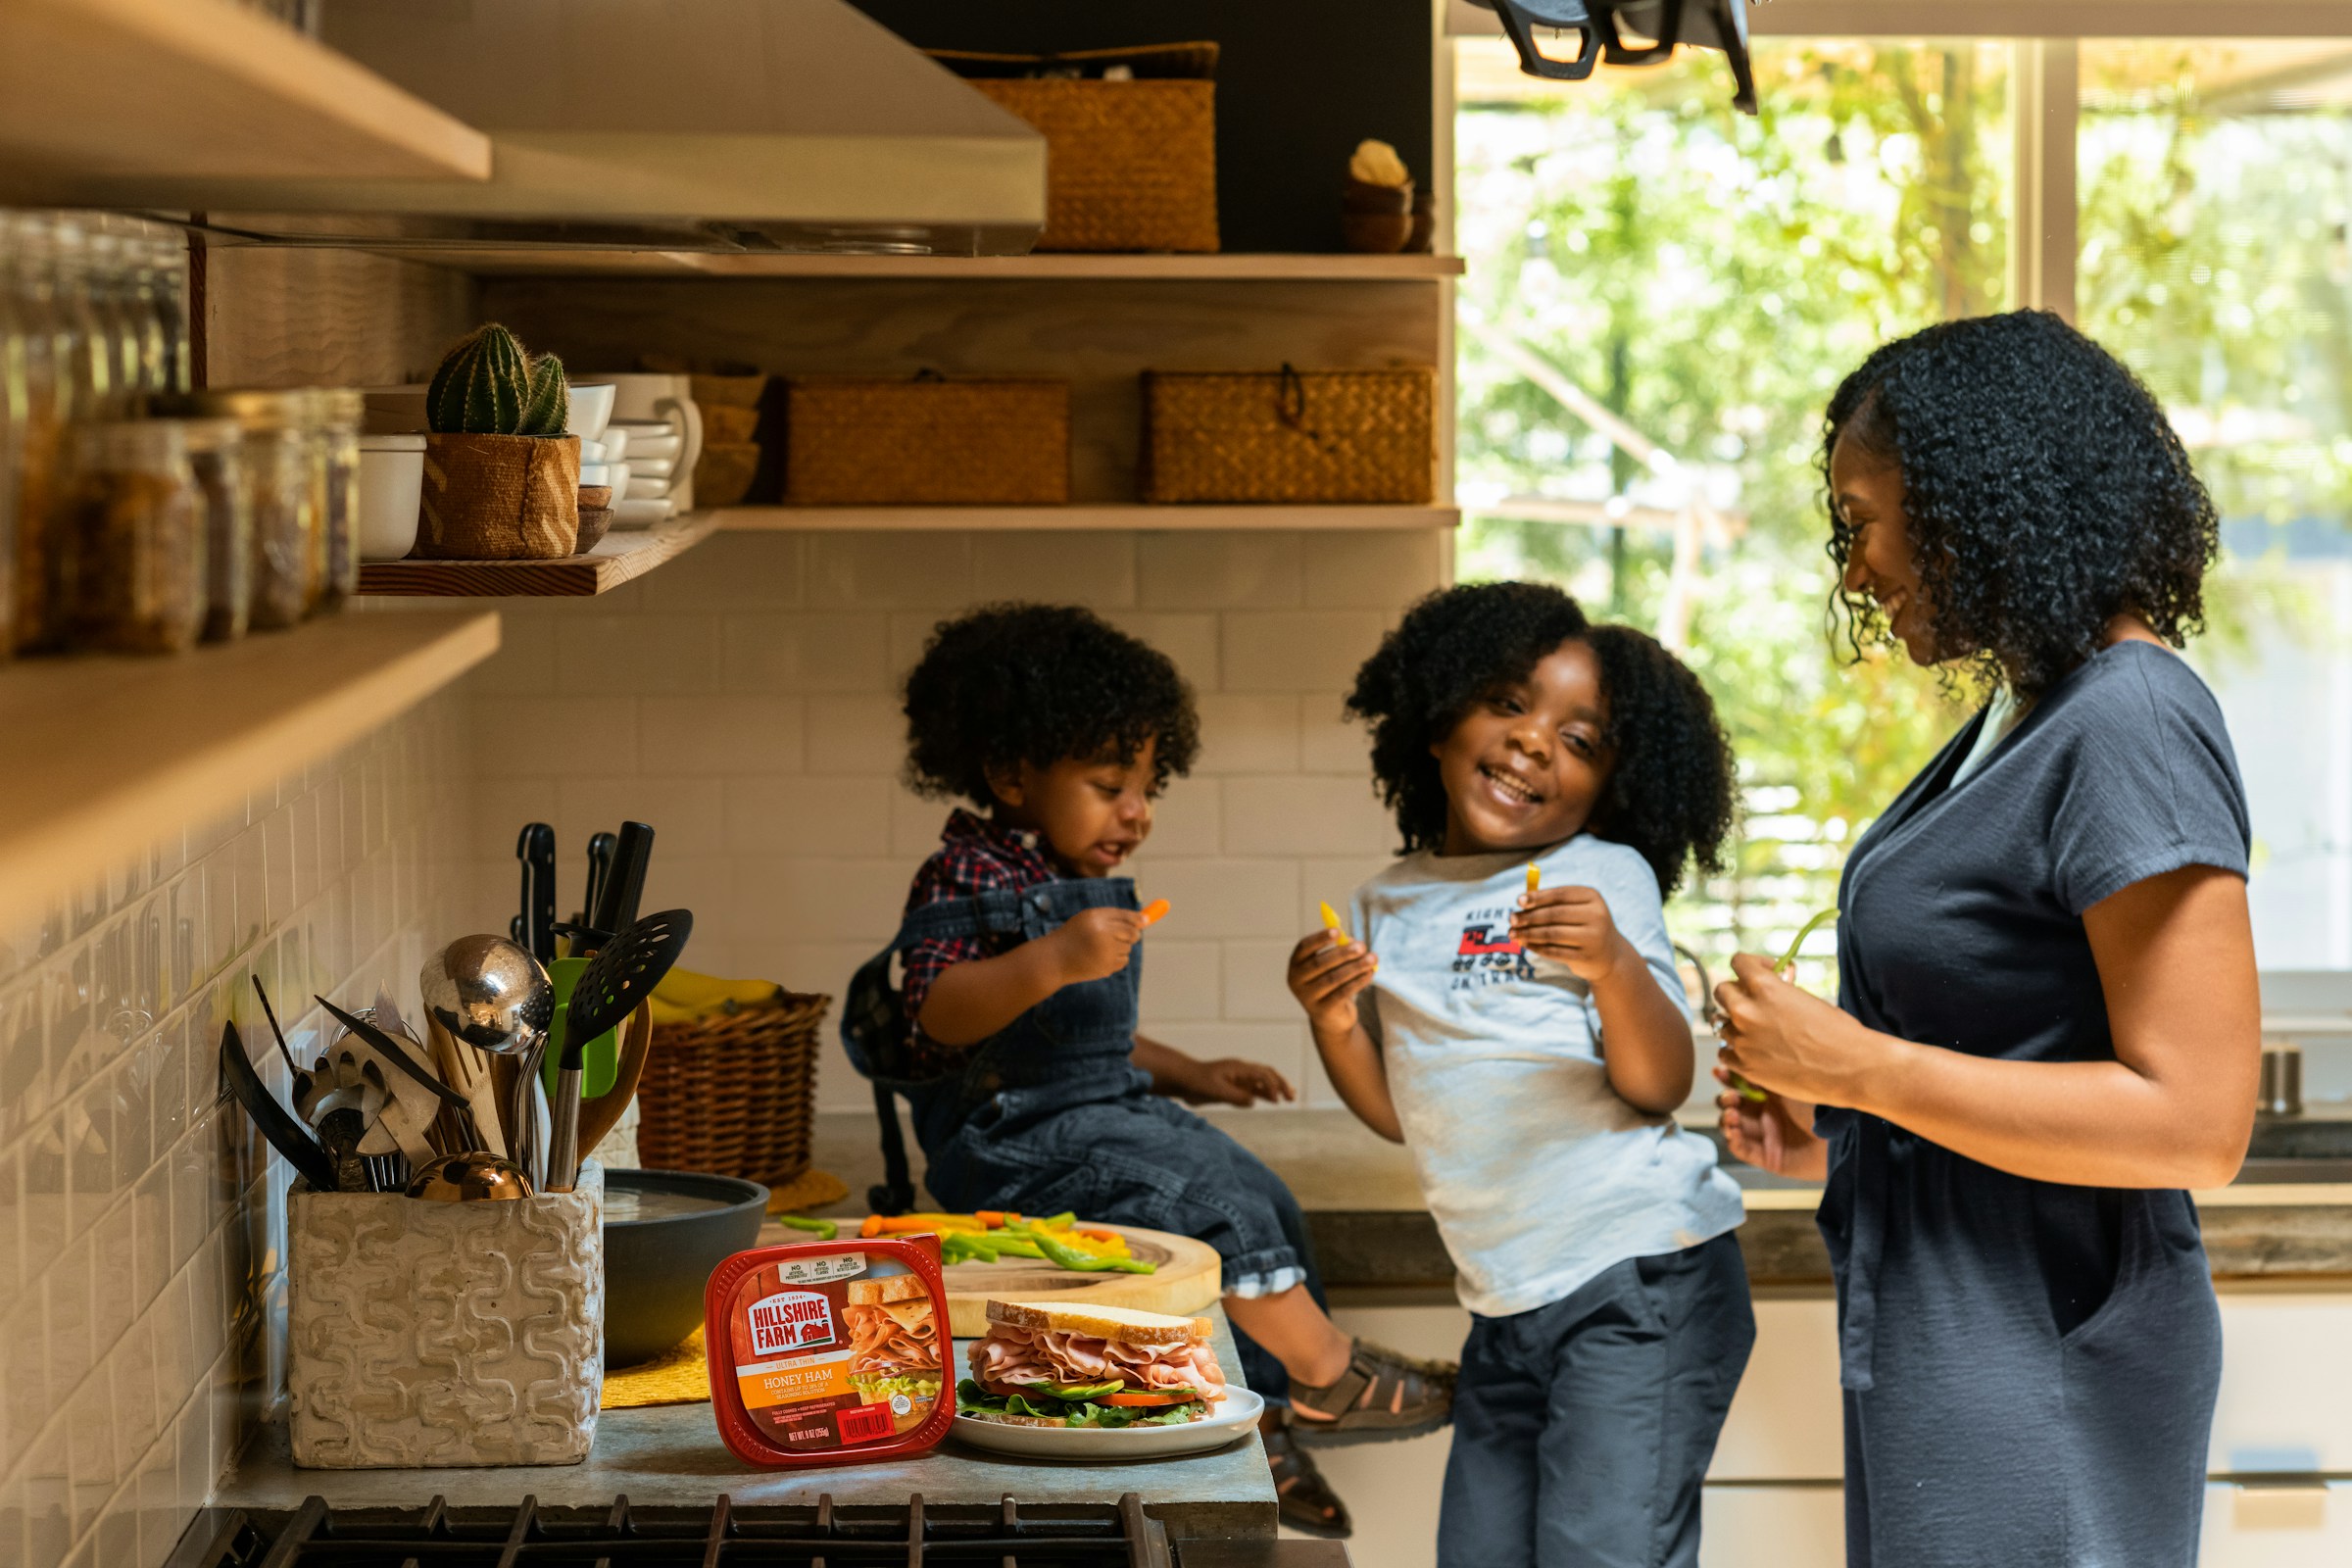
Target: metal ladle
[(491, 994)]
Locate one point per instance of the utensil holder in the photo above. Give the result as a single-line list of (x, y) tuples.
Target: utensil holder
[(425, 1334)]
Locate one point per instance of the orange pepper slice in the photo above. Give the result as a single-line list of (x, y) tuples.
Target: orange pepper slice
[(1154, 909)]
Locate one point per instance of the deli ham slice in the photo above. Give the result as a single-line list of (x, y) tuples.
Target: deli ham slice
[(1011, 1356)]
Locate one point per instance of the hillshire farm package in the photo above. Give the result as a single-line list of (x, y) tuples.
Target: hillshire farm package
[(825, 1352)]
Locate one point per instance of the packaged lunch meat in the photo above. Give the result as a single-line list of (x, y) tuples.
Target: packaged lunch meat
[(829, 1352)]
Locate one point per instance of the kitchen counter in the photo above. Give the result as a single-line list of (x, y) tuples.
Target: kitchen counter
[(672, 1455), (2288, 1215)]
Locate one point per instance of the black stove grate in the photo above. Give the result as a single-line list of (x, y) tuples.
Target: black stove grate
[(316, 1535)]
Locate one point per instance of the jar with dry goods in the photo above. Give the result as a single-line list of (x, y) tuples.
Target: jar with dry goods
[(217, 457), (134, 539), (334, 437), (288, 540)]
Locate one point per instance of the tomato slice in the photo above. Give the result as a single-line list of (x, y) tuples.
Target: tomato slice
[(1136, 1397)]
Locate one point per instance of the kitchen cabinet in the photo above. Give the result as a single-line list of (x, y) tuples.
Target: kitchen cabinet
[(131, 90), (2305, 1524)]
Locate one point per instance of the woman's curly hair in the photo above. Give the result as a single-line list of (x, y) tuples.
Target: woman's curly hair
[(1015, 683), (1669, 793), (2045, 489)]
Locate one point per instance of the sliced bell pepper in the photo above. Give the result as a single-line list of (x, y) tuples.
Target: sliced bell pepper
[(823, 1229)]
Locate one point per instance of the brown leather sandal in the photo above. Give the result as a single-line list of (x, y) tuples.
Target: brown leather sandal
[(1303, 1497), (1381, 1397)]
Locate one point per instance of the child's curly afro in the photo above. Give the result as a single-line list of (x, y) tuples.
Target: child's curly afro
[(1015, 683), (1670, 794)]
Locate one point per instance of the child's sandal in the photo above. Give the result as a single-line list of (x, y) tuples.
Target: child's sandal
[(1302, 1496), (1381, 1397)]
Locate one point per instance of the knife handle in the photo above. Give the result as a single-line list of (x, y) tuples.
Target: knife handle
[(626, 886)]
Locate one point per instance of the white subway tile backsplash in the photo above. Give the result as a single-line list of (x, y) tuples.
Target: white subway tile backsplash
[(1189, 639), (705, 735), (1187, 819), (783, 898), (591, 737), (1372, 570), (767, 655), (1301, 649), (870, 571), (1182, 980), (1257, 988), (1242, 733), (857, 734), (684, 814), (1228, 897), (1302, 816), (137, 1231), (805, 815), (1329, 741), (733, 572), (642, 656), (1183, 571), (1092, 569)]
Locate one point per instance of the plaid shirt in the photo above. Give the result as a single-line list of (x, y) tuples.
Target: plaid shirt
[(975, 855)]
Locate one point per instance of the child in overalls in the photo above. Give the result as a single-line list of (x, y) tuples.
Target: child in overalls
[(1014, 1038)]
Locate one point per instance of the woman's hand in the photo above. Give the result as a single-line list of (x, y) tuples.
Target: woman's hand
[(1780, 1037), (1573, 926), (1328, 968), (1231, 1081), (1775, 1135), (1093, 943)]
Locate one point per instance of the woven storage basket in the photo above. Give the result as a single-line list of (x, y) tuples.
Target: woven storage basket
[(733, 1095), (1291, 436), (1130, 166), (928, 440)]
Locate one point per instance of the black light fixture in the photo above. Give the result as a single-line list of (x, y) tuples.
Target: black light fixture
[(1601, 29)]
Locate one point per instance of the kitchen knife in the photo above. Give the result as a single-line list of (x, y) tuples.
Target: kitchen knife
[(599, 872), (616, 910), (384, 1045), (291, 1140), (536, 848)]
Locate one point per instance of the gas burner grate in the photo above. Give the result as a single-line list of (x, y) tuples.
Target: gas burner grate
[(316, 1535)]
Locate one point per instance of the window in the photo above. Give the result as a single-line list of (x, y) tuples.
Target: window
[(1663, 294)]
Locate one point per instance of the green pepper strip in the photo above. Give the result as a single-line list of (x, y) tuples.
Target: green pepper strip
[(1748, 1091), (824, 1229), (1070, 1257)]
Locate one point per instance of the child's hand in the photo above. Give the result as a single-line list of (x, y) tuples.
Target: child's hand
[(1573, 926), (1327, 970), (1775, 1135), (1093, 943), (1232, 1081)]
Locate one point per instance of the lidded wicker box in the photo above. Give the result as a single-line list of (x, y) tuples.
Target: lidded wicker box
[(926, 441), (1288, 436), (1130, 164)]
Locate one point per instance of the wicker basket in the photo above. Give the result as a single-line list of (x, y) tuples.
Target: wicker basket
[(926, 441), (1130, 166), (1291, 436), (733, 1095)]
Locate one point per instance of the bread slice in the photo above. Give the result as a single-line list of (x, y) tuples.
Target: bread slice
[(890, 1288), (1125, 1324)]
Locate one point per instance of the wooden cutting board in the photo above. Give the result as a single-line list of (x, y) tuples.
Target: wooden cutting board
[(1190, 1278)]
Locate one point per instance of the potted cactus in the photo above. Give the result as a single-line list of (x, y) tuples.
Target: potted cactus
[(502, 479)]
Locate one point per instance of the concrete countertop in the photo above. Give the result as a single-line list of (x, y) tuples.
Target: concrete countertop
[(672, 1455), (2288, 1216)]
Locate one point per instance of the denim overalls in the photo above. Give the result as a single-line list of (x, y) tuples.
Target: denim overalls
[(1050, 1113)]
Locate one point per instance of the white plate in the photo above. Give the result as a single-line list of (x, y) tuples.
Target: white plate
[(631, 513), (1237, 1416)]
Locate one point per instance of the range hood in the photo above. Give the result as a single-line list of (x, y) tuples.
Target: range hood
[(673, 124)]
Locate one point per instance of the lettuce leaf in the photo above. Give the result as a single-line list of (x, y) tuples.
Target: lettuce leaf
[(973, 1400)]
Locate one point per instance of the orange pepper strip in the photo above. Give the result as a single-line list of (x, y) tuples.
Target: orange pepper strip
[(1100, 1235), (872, 1226), (1154, 909), (994, 1218)]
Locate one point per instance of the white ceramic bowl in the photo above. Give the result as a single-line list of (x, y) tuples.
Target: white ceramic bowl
[(597, 473), (645, 468), (636, 513), (590, 408), (391, 485), (656, 439), (645, 487), (592, 451), (615, 442)]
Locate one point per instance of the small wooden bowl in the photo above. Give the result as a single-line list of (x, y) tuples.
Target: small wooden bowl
[(596, 494), (1357, 197), (1375, 233), (594, 521)]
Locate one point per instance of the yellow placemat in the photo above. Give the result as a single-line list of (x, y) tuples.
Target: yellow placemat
[(811, 1188), (679, 1376)]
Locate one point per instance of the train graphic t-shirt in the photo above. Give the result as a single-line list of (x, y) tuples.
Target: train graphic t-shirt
[(1537, 1174)]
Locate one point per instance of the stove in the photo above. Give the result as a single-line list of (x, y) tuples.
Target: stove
[(721, 1536)]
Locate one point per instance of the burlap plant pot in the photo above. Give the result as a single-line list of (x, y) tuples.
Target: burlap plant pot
[(500, 498)]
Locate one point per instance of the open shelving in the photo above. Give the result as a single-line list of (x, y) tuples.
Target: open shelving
[(1123, 515), (1230, 266), (117, 91), (108, 754), (617, 558)]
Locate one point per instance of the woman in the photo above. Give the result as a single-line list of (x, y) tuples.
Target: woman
[(2047, 1024)]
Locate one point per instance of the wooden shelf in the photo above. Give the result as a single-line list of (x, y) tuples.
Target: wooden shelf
[(616, 558), (924, 519), (107, 755), (121, 90), (1226, 268)]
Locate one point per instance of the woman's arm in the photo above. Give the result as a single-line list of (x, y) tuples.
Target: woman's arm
[(975, 998), (2174, 1108), (1328, 974)]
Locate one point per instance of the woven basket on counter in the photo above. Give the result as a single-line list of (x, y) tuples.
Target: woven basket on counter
[(1130, 166), (733, 1095), (926, 441), (1296, 437)]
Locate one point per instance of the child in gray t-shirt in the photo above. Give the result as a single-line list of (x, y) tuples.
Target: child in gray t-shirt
[(1514, 1014)]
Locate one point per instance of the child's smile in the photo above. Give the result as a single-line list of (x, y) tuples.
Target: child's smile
[(1525, 766), (1092, 814)]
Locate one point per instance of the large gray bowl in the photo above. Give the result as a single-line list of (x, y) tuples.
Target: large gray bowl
[(655, 1269)]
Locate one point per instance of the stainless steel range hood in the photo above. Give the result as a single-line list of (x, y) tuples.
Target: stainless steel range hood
[(721, 124)]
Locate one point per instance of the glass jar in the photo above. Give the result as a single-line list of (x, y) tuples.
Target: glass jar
[(136, 539), (276, 452), (48, 347), (335, 445), (217, 457)]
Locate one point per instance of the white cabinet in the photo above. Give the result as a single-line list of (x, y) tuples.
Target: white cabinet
[(2274, 1527), (1772, 1526), (2286, 1384)]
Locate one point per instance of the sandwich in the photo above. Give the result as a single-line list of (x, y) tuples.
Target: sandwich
[(894, 1346), (1048, 1365)]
